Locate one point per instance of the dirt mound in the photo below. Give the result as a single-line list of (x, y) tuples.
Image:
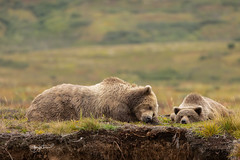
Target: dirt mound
[(128, 142)]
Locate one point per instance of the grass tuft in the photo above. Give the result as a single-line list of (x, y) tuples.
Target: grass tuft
[(220, 125), (109, 127), (208, 129), (236, 134), (90, 124), (229, 124)]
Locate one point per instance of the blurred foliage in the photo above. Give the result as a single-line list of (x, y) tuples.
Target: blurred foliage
[(13, 64), (40, 25)]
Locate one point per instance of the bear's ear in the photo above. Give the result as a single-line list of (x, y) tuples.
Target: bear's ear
[(198, 110), (147, 90), (176, 110), (142, 91), (136, 93)]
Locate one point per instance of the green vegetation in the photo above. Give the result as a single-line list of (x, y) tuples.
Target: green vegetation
[(209, 129), (230, 124), (40, 25), (14, 121), (220, 126)]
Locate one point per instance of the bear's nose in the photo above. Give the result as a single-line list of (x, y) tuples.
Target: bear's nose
[(183, 121), (148, 119)]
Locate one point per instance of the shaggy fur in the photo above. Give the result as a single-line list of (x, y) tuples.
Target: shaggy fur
[(196, 108), (112, 97)]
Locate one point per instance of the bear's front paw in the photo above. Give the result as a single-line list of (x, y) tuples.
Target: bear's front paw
[(155, 121), (173, 117)]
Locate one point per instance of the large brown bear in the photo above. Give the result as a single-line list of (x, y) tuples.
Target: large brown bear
[(196, 108), (112, 97)]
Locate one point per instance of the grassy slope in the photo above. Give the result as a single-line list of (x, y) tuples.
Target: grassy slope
[(27, 25)]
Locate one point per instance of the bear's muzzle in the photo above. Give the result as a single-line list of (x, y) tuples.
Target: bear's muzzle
[(147, 119)]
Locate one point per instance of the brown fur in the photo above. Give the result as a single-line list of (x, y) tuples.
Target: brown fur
[(112, 97), (196, 108)]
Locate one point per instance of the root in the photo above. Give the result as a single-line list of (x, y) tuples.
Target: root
[(119, 150), (7, 153)]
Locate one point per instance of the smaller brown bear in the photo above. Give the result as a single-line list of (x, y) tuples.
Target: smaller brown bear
[(195, 108)]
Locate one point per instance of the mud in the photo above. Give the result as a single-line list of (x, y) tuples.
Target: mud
[(128, 142)]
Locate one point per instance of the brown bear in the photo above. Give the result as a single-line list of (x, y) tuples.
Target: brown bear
[(112, 97), (195, 108)]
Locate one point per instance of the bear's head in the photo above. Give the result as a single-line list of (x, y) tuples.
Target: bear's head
[(188, 115), (143, 103)]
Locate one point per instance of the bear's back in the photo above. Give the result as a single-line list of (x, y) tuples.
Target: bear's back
[(217, 108)]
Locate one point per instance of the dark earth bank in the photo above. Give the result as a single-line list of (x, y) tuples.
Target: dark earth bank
[(129, 142)]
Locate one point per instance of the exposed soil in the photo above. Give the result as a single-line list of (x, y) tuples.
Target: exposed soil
[(128, 142)]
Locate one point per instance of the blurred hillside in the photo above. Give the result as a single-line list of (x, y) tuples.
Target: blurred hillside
[(27, 25)]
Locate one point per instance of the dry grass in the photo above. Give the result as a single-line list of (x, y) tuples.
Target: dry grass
[(230, 125), (208, 129), (3, 127)]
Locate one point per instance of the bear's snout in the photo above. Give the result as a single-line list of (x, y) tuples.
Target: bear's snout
[(147, 119), (183, 121)]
